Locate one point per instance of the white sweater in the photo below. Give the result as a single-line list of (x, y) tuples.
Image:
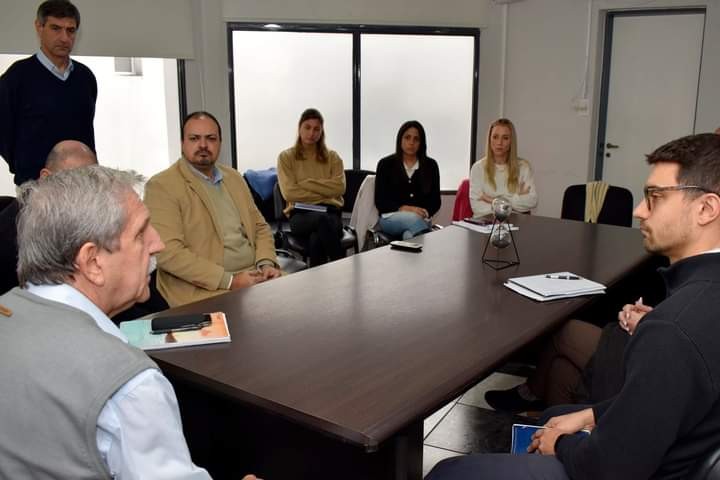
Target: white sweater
[(480, 185)]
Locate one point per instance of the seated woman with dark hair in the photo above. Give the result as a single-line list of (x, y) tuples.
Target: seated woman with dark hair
[(309, 173), (407, 185)]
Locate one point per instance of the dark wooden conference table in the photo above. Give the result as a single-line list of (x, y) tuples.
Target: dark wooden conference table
[(332, 370)]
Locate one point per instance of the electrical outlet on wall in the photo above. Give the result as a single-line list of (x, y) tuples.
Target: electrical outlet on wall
[(581, 106)]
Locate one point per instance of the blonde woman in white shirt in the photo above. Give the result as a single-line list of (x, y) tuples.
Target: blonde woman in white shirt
[(501, 173)]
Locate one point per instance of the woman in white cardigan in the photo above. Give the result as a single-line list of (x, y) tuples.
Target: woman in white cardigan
[(502, 173)]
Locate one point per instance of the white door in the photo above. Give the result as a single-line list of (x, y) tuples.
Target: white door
[(652, 91)]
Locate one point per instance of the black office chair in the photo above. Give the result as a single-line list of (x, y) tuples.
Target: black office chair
[(708, 467), (8, 254), (5, 201), (287, 261), (285, 239), (616, 210), (265, 205)]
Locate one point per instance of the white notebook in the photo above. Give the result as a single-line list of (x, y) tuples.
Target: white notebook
[(479, 228), (555, 285)]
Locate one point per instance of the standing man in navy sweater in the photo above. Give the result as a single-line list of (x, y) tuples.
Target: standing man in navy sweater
[(46, 98)]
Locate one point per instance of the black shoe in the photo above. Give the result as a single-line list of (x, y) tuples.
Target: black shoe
[(510, 401)]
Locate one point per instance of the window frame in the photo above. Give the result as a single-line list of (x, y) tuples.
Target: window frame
[(357, 31), (182, 90)]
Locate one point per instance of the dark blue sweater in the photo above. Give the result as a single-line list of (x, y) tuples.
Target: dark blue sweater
[(38, 110), (667, 414)]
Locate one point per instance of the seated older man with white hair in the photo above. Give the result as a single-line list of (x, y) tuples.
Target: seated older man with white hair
[(77, 401)]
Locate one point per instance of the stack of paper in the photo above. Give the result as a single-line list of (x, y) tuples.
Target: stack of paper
[(480, 228), (552, 286)]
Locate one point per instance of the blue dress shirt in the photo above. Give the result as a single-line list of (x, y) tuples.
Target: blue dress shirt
[(47, 63)]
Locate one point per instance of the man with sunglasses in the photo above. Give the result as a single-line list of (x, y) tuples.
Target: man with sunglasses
[(666, 416)]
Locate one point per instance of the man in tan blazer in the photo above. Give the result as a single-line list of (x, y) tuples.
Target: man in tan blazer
[(215, 238)]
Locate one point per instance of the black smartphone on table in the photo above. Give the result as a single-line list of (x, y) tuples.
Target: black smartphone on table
[(407, 246), (179, 323)]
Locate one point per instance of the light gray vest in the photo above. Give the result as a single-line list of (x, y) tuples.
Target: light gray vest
[(57, 370)]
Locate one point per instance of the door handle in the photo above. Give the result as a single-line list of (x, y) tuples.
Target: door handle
[(611, 145)]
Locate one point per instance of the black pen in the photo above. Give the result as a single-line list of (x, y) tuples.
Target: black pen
[(562, 277)]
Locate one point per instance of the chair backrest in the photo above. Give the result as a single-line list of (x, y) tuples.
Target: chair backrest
[(284, 239), (353, 180), (278, 203), (266, 206), (616, 210), (5, 201), (708, 467), (364, 215), (9, 252), (462, 208)]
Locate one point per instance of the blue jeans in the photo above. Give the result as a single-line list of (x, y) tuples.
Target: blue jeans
[(404, 224)]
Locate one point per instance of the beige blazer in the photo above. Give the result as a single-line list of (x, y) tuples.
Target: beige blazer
[(190, 267)]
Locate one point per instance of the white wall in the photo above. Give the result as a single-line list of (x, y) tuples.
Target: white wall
[(134, 128), (127, 28), (545, 60), (136, 117), (545, 66), (466, 13)]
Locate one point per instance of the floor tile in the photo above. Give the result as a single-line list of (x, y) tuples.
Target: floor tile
[(432, 455), (497, 381), (432, 421), (469, 429)]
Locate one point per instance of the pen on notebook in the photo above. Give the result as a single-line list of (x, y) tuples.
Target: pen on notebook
[(563, 277)]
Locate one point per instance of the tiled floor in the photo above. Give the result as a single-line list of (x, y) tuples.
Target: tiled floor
[(468, 425)]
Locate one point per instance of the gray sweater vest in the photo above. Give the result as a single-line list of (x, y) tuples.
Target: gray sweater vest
[(57, 370)]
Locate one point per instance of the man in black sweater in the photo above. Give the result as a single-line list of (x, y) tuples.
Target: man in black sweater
[(667, 414), (48, 97)]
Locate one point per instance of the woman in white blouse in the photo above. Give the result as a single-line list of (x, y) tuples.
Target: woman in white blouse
[(501, 173)]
